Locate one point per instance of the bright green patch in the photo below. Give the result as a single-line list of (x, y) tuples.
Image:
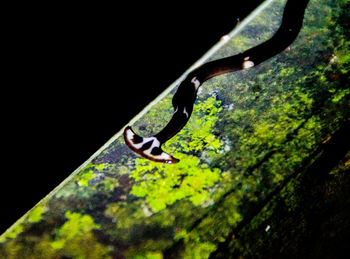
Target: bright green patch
[(35, 214), (192, 179), (88, 173), (75, 238)]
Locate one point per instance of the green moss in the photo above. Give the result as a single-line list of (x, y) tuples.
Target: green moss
[(74, 238), (163, 185), (339, 95), (88, 173), (235, 153), (36, 213), (12, 233), (149, 255)]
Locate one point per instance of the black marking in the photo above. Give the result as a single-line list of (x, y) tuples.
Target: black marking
[(137, 139), (156, 151), (146, 145), (186, 94)]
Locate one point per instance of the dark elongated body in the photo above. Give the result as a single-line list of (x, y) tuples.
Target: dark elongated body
[(185, 96)]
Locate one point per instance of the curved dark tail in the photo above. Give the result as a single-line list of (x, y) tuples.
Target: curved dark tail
[(185, 96)]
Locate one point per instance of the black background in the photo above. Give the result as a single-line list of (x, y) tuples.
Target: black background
[(78, 74)]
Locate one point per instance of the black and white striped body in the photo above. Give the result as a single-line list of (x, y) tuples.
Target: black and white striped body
[(147, 147), (186, 93)]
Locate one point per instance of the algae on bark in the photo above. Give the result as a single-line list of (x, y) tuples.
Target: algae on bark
[(249, 154)]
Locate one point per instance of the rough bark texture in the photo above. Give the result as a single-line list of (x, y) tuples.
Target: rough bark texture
[(264, 169)]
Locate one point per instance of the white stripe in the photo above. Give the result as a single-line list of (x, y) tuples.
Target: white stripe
[(185, 112), (207, 55), (247, 64), (196, 82)]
